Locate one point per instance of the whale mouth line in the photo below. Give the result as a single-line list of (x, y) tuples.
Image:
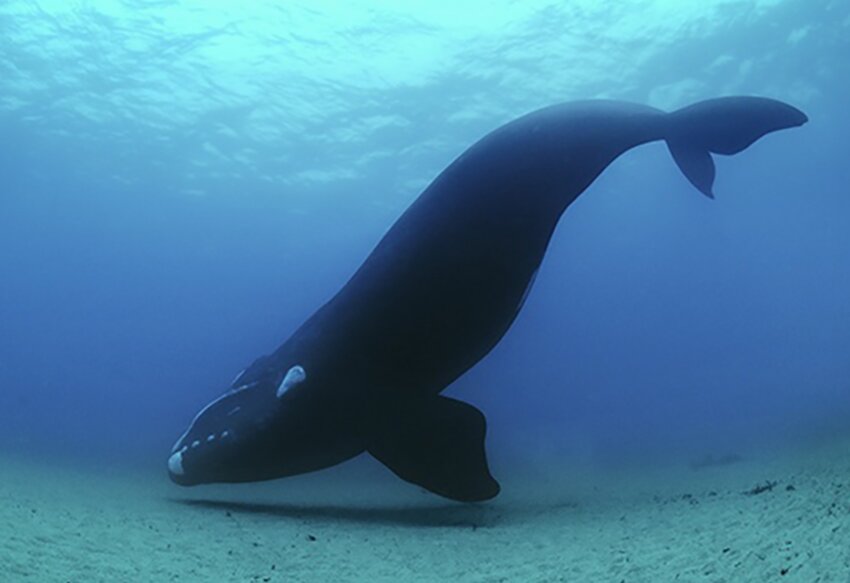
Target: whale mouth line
[(229, 393)]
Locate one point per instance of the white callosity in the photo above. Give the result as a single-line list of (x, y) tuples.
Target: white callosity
[(294, 376), (239, 376), (204, 410), (175, 462)]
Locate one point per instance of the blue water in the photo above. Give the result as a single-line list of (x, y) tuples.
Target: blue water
[(183, 183)]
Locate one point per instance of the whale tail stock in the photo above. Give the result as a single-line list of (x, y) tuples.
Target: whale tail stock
[(726, 125)]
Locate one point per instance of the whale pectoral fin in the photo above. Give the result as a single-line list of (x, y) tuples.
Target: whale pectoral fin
[(439, 444), (695, 163)]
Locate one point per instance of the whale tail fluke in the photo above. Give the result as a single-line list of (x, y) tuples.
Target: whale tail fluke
[(726, 125)]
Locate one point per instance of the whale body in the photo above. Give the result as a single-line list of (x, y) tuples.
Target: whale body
[(438, 292)]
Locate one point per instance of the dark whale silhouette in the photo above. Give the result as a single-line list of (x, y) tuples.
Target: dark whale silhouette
[(365, 372)]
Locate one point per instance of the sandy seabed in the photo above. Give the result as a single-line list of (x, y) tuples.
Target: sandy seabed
[(777, 518)]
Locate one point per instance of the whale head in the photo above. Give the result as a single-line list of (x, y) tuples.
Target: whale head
[(265, 426)]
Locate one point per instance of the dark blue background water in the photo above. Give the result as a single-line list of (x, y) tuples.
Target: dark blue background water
[(168, 213)]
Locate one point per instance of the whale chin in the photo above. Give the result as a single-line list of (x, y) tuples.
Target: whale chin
[(182, 480)]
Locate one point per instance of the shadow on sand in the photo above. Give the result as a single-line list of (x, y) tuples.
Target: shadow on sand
[(448, 515)]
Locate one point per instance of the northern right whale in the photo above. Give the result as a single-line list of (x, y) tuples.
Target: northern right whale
[(438, 292)]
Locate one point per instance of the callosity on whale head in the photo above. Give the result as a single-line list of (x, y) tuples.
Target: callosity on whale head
[(259, 429)]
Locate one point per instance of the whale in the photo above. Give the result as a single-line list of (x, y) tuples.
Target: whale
[(365, 372)]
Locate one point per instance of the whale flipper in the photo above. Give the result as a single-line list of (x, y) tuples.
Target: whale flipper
[(695, 163), (726, 125), (439, 445)]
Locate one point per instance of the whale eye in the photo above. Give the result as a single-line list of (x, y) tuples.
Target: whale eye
[(294, 376)]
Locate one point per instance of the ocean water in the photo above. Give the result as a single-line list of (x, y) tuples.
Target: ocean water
[(183, 183)]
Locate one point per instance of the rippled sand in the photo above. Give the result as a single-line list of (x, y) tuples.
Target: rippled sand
[(784, 518)]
